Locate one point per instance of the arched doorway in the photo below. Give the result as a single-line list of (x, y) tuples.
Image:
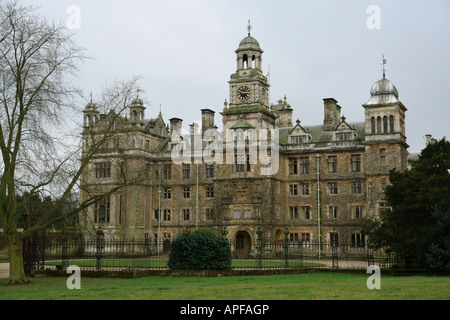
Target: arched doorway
[(243, 243)]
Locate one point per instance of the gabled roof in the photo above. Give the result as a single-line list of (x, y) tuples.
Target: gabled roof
[(298, 126), (318, 135), (242, 125), (343, 125)]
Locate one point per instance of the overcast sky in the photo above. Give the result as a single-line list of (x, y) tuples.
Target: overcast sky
[(184, 52)]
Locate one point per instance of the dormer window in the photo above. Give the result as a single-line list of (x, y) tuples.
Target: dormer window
[(344, 136), (298, 134), (299, 139)]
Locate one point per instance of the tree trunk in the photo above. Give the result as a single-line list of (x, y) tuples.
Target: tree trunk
[(16, 271)]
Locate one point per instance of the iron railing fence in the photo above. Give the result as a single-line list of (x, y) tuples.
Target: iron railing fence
[(118, 255)]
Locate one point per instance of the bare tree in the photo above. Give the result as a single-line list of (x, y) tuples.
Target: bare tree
[(38, 60)]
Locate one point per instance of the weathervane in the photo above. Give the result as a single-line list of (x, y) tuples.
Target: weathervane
[(249, 27)]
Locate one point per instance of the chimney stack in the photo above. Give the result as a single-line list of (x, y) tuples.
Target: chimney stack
[(285, 114), (175, 125), (207, 119), (193, 128), (332, 114)]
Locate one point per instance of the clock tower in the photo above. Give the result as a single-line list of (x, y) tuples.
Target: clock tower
[(249, 88)]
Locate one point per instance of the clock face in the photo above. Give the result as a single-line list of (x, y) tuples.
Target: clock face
[(243, 93)]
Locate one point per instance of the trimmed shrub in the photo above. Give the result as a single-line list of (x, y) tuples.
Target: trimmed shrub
[(201, 249)]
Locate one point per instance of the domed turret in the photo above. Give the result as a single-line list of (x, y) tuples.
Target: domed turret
[(90, 114), (383, 86), (137, 103), (385, 114), (383, 92), (249, 43), (249, 53), (137, 112), (90, 107)]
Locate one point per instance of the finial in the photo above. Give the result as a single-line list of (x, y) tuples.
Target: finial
[(91, 96), (160, 109), (137, 95), (249, 27), (384, 70), (225, 103)]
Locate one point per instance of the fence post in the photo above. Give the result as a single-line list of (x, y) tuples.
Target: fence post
[(64, 254), (370, 257), (286, 248), (100, 244), (334, 249), (259, 248)]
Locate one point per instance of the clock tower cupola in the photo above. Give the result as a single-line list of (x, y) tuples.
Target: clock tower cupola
[(248, 106), (248, 85)]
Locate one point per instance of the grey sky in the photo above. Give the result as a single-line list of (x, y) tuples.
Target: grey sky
[(184, 51)]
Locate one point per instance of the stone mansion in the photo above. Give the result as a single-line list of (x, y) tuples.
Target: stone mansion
[(328, 175)]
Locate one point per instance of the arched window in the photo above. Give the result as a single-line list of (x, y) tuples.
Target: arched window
[(372, 124), (391, 124), (253, 62), (378, 124), (245, 60), (385, 124)]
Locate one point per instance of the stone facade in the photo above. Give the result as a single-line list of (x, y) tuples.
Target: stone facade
[(327, 176)]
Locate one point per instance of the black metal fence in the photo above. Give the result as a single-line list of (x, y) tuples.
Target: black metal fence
[(118, 255)]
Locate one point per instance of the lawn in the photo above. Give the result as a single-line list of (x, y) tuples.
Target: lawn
[(312, 286)]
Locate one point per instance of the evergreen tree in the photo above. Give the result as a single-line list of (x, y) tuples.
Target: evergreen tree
[(417, 224)]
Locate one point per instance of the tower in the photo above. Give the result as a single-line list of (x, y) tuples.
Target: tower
[(137, 110), (385, 139), (384, 113), (91, 115), (248, 85), (249, 89)]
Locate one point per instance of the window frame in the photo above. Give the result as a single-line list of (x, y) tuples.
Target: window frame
[(104, 203), (332, 165), (103, 170), (357, 187), (356, 163), (333, 188), (186, 170)]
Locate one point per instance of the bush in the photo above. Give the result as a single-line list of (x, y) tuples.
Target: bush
[(438, 258), (200, 250)]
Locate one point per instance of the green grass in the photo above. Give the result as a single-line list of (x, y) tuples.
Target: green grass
[(312, 286)]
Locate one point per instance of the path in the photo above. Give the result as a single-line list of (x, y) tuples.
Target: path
[(4, 270)]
